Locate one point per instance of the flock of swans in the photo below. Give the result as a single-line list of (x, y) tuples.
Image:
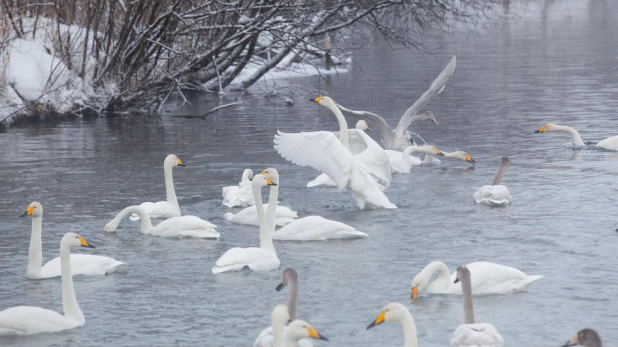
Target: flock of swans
[(349, 160)]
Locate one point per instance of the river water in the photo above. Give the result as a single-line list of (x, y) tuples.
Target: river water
[(551, 62)]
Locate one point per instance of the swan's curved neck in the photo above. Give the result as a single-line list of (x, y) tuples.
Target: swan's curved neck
[(145, 224), (466, 289), (271, 211), (292, 296), (406, 154), (444, 275), (498, 178), (69, 301), (35, 252), (266, 240), (577, 139), (169, 186), (409, 330), (343, 125)]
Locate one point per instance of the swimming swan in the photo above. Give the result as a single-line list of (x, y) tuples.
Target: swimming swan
[(170, 207), (585, 337), (495, 194), (400, 138), (289, 278), (609, 143), (249, 216), (311, 228), (396, 312), (401, 162), (240, 195), (263, 258), (460, 155), (471, 334), (183, 226), (323, 179), (358, 173), (81, 264), (28, 320), (487, 278)]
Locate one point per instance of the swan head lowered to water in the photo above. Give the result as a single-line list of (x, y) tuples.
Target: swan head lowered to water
[(172, 160), (585, 337), (35, 209)]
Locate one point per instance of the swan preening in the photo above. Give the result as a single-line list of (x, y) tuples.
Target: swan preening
[(240, 195), (168, 208), (396, 312), (263, 258), (28, 320), (585, 337), (495, 194), (487, 278), (81, 264), (183, 226), (471, 334), (249, 215), (401, 162), (357, 170), (610, 143)]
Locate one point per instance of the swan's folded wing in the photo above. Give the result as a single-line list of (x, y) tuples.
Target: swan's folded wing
[(375, 122), (436, 88), (492, 278), (316, 228), (320, 150), (373, 159)]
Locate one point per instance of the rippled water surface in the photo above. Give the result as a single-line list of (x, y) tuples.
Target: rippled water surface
[(552, 62)]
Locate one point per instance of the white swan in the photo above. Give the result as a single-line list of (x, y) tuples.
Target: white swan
[(487, 278), (322, 150), (400, 138), (289, 278), (240, 195), (323, 179), (471, 334), (81, 264), (495, 194), (585, 337), (396, 312), (263, 258), (460, 155), (28, 320), (610, 143), (183, 226), (170, 207), (298, 331), (249, 216), (401, 162), (294, 335)]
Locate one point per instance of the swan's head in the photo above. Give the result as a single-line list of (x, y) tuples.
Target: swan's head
[(247, 174), (271, 175), (324, 101), (172, 160), (461, 155), (362, 125), (288, 275), (390, 313), (419, 282), (74, 240), (34, 209), (299, 329), (429, 116), (110, 227), (549, 127), (280, 314), (585, 337), (462, 273), (260, 181)]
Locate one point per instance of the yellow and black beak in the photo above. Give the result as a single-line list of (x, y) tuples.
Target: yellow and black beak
[(414, 292), (85, 243), (180, 162), (315, 335), (379, 320), (28, 212), (574, 341), (318, 99), (439, 152), (469, 159), (541, 130)]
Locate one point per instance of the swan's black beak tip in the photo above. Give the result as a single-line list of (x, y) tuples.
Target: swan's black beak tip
[(279, 287)]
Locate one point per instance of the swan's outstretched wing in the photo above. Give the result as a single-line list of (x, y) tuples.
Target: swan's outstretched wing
[(375, 122), (321, 150), (372, 157), (436, 88)]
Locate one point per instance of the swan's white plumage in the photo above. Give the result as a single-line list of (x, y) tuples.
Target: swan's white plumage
[(476, 335), (609, 143), (316, 228), (492, 195), (249, 215), (183, 226), (322, 180), (240, 195)]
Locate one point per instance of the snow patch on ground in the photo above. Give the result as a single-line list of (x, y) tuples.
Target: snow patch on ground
[(292, 71)]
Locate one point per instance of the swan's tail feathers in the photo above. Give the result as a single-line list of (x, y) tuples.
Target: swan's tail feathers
[(134, 217), (500, 202), (228, 216), (531, 279), (113, 267), (227, 268)]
